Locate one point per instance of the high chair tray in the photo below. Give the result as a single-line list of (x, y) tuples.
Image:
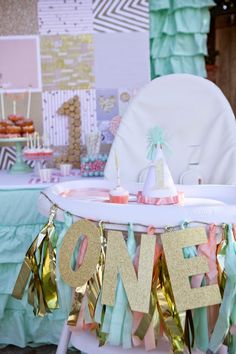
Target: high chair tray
[(90, 199)]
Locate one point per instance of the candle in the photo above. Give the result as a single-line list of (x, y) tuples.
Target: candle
[(31, 141), (2, 106), (38, 141), (27, 140), (28, 104), (14, 107), (117, 169)]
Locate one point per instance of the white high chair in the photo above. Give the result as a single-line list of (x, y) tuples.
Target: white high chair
[(191, 111)]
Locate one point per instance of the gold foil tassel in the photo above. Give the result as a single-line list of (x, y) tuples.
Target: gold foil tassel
[(172, 321), (40, 261), (149, 317), (92, 287)]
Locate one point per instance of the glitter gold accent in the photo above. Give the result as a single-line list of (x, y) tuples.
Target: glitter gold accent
[(84, 273), (118, 261), (18, 17), (181, 269)]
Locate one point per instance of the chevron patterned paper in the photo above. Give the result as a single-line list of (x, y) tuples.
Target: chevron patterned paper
[(8, 157), (120, 15)]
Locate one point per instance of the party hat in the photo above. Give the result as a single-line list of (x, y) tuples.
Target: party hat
[(159, 187)]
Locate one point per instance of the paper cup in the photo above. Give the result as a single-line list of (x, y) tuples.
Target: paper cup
[(45, 175), (65, 169)]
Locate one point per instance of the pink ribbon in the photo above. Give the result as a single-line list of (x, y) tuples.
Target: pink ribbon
[(177, 199)]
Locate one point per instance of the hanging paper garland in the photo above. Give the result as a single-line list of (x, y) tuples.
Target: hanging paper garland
[(40, 263)]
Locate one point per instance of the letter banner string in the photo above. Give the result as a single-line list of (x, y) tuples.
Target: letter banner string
[(40, 263), (88, 312)]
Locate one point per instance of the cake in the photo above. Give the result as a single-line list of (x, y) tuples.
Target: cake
[(34, 149)]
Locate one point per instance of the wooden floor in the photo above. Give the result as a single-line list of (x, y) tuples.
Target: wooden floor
[(47, 349)]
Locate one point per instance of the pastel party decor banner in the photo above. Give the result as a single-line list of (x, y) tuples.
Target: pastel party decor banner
[(137, 288), (180, 269), (178, 36), (140, 288)]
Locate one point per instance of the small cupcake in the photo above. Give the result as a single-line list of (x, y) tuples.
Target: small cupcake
[(119, 195)]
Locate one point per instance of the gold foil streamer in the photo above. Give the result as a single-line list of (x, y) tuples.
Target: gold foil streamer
[(95, 283), (181, 269), (173, 322), (92, 286), (153, 314), (221, 252), (118, 261), (40, 261)]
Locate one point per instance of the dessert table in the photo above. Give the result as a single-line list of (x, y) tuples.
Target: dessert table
[(20, 222)]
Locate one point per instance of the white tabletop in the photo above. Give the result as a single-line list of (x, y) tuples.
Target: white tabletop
[(22, 180)]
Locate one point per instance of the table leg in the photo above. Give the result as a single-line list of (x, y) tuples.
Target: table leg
[(19, 166)]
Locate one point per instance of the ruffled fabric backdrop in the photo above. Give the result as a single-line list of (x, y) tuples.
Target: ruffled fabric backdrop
[(178, 36), (18, 228)]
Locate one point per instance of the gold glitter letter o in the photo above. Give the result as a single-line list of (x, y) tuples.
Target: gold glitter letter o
[(88, 267)]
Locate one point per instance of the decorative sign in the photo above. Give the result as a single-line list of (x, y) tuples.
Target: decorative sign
[(71, 108), (84, 273), (118, 261), (181, 269), (138, 288)]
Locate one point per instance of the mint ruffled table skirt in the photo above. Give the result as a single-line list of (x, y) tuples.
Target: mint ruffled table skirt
[(19, 224)]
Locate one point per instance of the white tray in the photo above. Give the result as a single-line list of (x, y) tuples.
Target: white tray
[(203, 203)]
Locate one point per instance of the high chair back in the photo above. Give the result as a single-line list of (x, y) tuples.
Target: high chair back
[(198, 122)]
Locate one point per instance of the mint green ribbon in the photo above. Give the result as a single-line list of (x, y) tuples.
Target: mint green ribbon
[(63, 289), (155, 139), (224, 320), (118, 320)]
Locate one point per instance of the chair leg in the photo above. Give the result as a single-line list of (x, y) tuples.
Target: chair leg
[(64, 340)]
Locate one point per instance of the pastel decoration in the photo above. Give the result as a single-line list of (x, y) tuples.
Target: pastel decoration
[(28, 104), (137, 288), (63, 288), (80, 228), (149, 340), (121, 317), (93, 165), (2, 105), (180, 269), (159, 187), (228, 303)]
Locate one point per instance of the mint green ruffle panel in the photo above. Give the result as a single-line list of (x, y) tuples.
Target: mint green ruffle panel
[(163, 22), (156, 5), (178, 64), (18, 228), (179, 45), (178, 4), (178, 36)]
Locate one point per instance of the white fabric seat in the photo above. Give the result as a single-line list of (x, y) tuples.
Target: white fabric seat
[(192, 111)]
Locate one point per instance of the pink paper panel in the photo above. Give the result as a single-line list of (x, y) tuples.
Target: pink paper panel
[(19, 63)]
